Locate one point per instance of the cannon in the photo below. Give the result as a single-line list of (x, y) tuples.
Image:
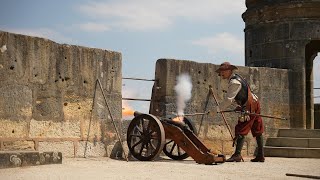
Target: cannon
[(148, 135)]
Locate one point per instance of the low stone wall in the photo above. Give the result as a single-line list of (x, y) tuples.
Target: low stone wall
[(269, 84), (46, 96)]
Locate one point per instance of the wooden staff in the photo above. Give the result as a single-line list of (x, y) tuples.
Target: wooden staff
[(139, 79), (304, 176), (254, 114), (115, 127), (222, 114)]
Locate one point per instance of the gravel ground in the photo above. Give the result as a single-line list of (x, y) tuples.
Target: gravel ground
[(164, 168)]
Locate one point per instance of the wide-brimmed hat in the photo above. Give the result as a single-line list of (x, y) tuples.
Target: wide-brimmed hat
[(226, 66)]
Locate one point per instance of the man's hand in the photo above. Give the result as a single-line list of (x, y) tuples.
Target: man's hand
[(244, 116), (238, 108), (247, 117)]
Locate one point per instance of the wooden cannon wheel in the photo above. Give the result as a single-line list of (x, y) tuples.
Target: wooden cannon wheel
[(145, 137), (172, 150)]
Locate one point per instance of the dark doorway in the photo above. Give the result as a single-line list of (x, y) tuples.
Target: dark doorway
[(316, 75)]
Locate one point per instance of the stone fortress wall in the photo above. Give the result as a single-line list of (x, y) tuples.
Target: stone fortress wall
[(46, 96), (269, 84), (47, 92), (47, 89)]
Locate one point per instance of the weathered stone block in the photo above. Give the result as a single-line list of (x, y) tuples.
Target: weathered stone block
[(48, 109), (95, 129), (18, 145), (299, 30), (51, 129), (13, 59), (218, 132), (75, 109), (13, 129), (10, 159), (94, 149), (272, 50), (65, 147), (15, 102)]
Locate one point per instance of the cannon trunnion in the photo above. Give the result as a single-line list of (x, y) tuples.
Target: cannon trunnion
[(148, 135)]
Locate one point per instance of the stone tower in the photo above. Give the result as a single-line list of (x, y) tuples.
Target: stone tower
[(286, 34)]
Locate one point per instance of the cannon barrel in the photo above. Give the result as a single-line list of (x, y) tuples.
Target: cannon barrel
[(137, 113)]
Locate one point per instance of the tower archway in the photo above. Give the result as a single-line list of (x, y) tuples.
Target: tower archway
[(311, 52), (316, 89)]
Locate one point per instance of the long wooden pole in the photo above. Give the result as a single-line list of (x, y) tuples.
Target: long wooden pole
[(139, 79), (115, 127), (303, 175), (93, 102), (224, 118), (222, 114), (254, 114)]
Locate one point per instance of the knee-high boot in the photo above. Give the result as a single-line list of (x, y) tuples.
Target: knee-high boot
[(236, 157), (260, 152)]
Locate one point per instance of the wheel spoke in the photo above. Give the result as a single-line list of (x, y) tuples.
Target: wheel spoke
[(155, 138), (152, 145), (135, 135), (137, 127), (179, 153), (147, 148), (169, 142), (136, 144), (142, 124), (148, 127), (172, 148), (141, 149)]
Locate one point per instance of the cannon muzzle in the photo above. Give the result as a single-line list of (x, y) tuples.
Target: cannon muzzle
[(137, 113)]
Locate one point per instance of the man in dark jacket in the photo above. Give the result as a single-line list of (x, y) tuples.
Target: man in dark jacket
[(239, 92)]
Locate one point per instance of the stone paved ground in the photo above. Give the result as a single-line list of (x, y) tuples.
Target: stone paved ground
[(105, 168)]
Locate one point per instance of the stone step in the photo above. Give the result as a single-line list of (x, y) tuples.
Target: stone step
[(291, 152), (293, 142), (299, 133), (10, 159)]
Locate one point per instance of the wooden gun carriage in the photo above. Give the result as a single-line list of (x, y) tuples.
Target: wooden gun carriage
[(148, 135)]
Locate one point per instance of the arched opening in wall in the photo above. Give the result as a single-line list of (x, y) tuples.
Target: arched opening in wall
[(312, 74), (316, 75)]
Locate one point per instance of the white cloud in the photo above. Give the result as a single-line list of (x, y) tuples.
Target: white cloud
[(155, 14), (43, 33), (94, 27), (223, 42)]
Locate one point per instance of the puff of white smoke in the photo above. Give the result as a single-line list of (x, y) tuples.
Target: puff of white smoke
[(183, 91)]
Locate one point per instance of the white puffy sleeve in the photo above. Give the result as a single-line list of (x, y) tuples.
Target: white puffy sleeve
[(234, 87)]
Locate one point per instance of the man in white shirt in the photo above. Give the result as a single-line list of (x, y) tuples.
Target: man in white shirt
[(239, 92)]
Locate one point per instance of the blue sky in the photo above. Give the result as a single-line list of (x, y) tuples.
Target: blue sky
[(142, 30)]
